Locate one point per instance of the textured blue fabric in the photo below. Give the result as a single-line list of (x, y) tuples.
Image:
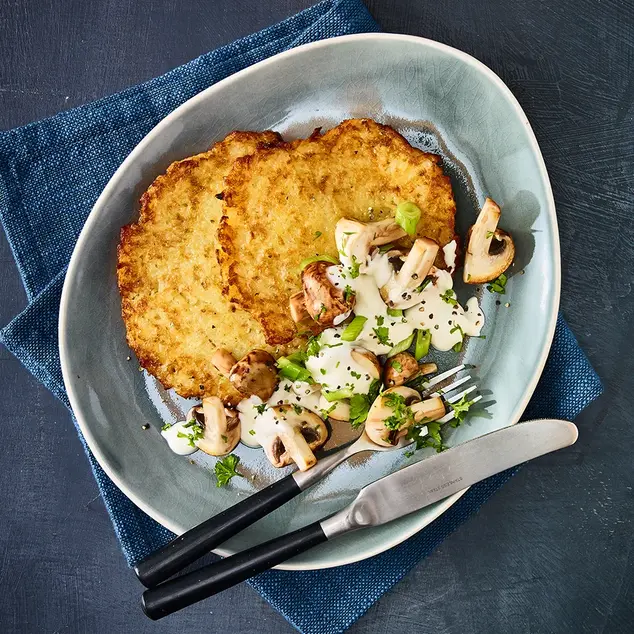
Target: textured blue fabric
[(51, 173)]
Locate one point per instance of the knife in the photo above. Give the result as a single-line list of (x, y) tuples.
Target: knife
[(385, 500)]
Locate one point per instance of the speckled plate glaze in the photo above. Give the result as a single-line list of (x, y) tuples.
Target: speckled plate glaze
[(442, 100)]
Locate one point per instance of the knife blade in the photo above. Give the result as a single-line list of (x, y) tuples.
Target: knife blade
[(444, 474), (387, 499)]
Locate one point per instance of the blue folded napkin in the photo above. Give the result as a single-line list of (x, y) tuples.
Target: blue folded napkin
[(51, 173)]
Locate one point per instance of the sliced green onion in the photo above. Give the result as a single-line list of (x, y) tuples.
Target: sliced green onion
[(394, 312), (298, 357), (401, 346), (317, 258), (354, 328), (407, 217), (338, 395), (293, 371), (421, 347)]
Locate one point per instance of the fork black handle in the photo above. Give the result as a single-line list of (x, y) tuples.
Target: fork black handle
[(198, 541), (199, 584)]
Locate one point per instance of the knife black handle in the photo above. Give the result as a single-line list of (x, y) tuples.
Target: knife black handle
[(200, 584), (198, 541)]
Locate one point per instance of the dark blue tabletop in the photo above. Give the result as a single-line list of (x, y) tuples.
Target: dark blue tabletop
[(551, 552)]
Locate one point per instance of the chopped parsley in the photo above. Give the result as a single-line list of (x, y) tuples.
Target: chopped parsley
[(313, 346), (385, 248), (360, 404), (225, 469), (490, 234), (457, 347), (354, 269), (260, 408), (166, 426), (298, 409), (196, 432), (318, 234), (498, 285), (356, 375), (326, 412), (322, 370), (423, 286), (224, 438), (449, 297), (460, 410), (322, 310), (382, 335), (348, 293), (401, 413), (396, 365), (252, 432)]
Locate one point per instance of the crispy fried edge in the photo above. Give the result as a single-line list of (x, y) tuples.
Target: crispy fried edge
[(146, 213)]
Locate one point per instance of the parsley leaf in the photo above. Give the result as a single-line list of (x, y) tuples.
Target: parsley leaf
[(448, 297), (348, 293), (498, 285), (298, 409), (383, 335), (402, 414), (460, 410), (166, 426), (354, 269), (225, 469), (260, 408), (396, 365), (312, 349)]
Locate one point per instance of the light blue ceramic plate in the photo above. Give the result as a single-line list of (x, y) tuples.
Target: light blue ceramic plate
[(442, 100)]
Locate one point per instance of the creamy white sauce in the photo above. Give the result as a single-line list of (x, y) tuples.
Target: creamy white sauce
[(449, 251), (178, 445), (441, 317), (335, 368), (287, 393)]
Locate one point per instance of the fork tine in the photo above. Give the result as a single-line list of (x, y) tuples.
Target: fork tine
[(442, 376), (445, 390), (450, 415), (457, 397)]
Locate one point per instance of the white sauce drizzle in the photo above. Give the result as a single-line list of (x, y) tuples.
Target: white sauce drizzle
[(287, 393), (449, 251), (178, 445)]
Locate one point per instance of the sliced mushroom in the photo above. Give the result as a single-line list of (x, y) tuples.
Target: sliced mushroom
[(255, 374), (339, 410), (221, 426), (223, 361), (368, 362), (427, 368), (400, 291), (399, 369), (290, 434), (324, 302), (490, 250), (298, 307), (430, 409), (380, 411), (355, 239)]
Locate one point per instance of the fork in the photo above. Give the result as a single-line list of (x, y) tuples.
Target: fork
[(198, 541)]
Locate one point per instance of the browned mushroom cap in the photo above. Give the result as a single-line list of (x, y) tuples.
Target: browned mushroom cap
[(291, 435), (490, 250), (323, 300), (399, 369), (223, 361), (255, 374), (221, 426)]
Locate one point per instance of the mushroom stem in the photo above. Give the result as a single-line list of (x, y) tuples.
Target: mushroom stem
[(417, 264), (430, 409), (297, 447), (427, 368)]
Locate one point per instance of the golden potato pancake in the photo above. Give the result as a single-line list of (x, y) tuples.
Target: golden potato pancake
[(282, 204), (175, 313)]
